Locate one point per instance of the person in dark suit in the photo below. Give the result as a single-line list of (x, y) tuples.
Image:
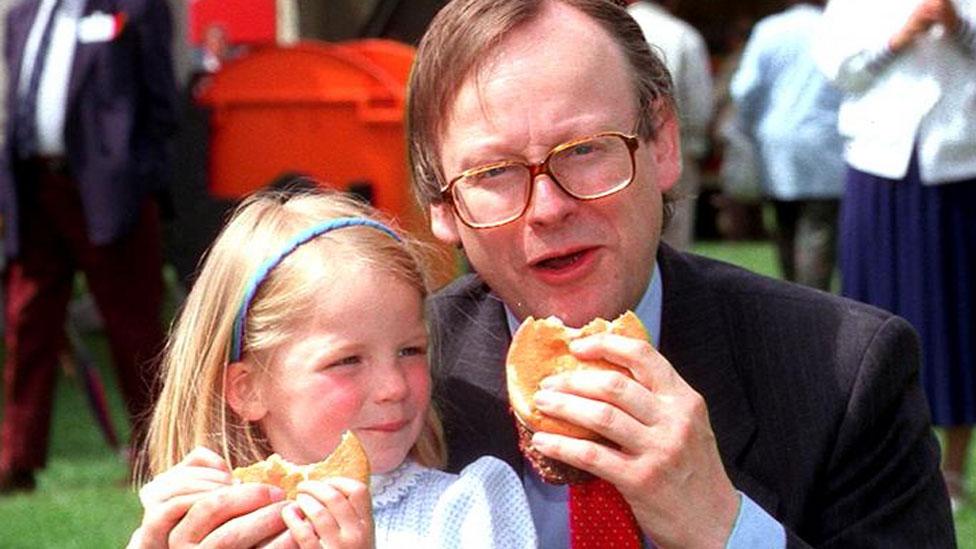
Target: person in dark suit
[(543, 139), (91, 105)]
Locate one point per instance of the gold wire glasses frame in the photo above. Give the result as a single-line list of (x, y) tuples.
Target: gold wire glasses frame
[(450, 193)]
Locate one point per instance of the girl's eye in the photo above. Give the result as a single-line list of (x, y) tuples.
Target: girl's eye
[(413, 351), (346, 361)]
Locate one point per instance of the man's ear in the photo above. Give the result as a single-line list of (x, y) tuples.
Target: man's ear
[(665, 150), (242, 391), (443, 224)]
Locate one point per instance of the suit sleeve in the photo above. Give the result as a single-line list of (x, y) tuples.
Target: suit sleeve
[(154, 29), (883, 487), (6, 102)]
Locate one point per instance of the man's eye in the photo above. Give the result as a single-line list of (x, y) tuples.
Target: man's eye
[(582, 149), (491, 173)]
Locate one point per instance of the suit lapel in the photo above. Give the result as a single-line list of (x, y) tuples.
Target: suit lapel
[(695, 340), (84, 54), (478, 418), (489, 317), (20, 19)]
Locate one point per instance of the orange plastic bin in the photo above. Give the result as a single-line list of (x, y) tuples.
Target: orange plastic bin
[(333, 111)]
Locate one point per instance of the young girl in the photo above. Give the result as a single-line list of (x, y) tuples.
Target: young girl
[(307, 321)]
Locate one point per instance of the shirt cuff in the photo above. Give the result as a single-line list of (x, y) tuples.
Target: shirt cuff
[(754, 527)]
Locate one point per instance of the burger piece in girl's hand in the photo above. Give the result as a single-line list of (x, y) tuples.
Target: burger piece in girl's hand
[(347, 460), (540, 348)]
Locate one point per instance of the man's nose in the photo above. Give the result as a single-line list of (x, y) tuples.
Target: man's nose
[(550, 203)]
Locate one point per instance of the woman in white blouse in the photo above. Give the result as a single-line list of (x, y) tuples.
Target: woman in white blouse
[(908, 221)]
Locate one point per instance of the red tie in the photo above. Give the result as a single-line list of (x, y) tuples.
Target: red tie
[(600, 517)]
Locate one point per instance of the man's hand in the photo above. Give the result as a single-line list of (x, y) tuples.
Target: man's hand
[(667, 465), (925, 15), (195, 504)]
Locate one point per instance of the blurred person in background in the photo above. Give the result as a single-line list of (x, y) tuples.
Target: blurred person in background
[(91, 105), (686, 57), (788, 110), (731, 163), (908, 218)]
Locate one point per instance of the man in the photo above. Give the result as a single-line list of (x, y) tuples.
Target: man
[(771, 413), (686, 58), (90, 107), (788, 110)]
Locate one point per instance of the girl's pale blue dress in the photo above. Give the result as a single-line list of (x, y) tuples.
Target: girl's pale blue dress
[(484, 506)]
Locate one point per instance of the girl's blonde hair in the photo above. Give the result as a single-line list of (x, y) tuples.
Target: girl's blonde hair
[(192, 409)]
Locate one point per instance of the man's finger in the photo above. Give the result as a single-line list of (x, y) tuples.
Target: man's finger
[(647, 365), (592, 457), (205, 457), (248, 530), (283, 540), (244, 501), (186, 481), (613, 388), (604, 418), (162, 517)]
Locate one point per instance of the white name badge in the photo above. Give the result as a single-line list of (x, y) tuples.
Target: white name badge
[(100, 27)]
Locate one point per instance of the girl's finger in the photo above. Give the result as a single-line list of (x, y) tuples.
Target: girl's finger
[(301, 530), (325, 525), (357, 495)]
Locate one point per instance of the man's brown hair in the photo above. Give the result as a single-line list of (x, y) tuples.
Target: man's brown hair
[(460, 39)]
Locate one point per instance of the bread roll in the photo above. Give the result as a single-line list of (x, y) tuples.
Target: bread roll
[(347, 460), (540, 348)]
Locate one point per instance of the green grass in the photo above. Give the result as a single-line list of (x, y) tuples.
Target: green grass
[(83, 500)]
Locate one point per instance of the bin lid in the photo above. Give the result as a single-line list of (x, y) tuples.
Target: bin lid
[(371, 73)]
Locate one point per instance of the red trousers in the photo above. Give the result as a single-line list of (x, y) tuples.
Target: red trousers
[(125, 279)]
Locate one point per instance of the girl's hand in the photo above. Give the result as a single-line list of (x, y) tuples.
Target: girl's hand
[(334, 513), (167, 497)]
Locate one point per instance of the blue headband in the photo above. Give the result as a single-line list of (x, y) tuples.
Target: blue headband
[(237, 338)]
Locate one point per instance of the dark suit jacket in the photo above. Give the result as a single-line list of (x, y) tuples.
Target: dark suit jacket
[(814, 399), (121, 112)]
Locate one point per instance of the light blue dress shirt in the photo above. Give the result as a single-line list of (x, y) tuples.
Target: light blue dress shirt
[(788, 108), (753, 527)]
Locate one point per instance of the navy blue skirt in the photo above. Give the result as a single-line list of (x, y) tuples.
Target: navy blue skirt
[(911, 249)]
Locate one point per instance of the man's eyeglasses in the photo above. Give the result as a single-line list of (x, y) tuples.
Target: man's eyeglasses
[(586, 169)]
